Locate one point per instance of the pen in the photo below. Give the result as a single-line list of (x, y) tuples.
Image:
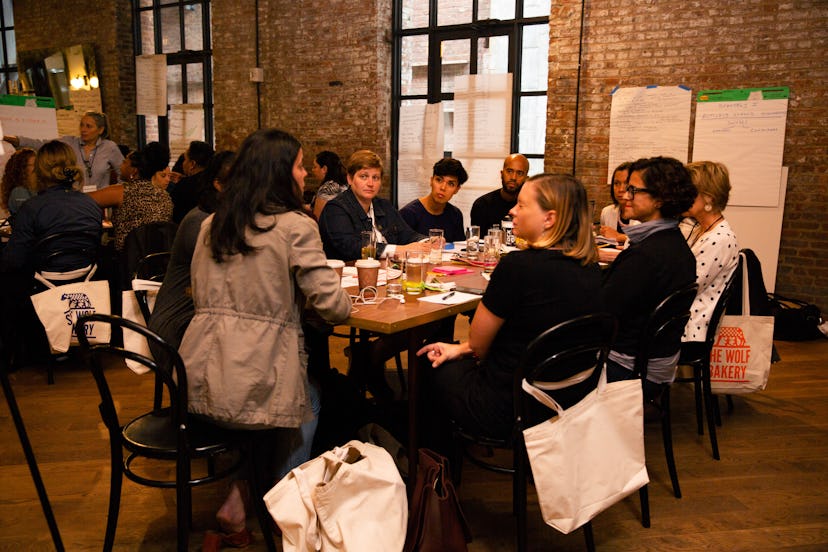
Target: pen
[(447, 295)]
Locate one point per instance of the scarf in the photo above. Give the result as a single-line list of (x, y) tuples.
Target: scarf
[(637, 233)]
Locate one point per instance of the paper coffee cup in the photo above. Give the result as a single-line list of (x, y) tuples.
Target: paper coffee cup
[(367, 272), (337, 265)]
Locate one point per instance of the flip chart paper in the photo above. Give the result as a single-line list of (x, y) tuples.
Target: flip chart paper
[(745, 130), (647, 122)]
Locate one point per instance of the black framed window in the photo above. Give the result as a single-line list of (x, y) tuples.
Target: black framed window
[(438, 40), (180, 29), (8, 50)]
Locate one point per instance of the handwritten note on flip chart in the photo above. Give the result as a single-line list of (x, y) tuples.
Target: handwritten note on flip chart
[(745, 130), (647, 122)]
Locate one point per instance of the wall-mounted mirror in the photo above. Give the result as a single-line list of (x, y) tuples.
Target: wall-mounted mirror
[(69, 75)]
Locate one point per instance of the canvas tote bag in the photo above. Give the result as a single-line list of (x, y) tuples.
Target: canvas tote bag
[(131, 310), (59, 307), (349, 499), (740, 360), (590, 455)]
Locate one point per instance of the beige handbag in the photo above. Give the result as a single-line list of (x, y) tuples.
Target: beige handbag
[(590, 455), (59, 307), (351, 498), (131, 310)]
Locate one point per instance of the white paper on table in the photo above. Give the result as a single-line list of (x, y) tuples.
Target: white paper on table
[(444, 299)]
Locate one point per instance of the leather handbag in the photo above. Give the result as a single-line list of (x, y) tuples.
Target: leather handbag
[(351, 498), (740, 360), (59, 307), (590, 455), (435, 522)]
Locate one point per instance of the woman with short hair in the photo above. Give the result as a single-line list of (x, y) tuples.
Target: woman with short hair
[(714, 245), (656, 263)]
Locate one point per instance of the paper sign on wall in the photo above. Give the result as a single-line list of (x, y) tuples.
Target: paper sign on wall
[(745, 130)]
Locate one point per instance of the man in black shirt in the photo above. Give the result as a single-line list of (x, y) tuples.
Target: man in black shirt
[(489, 209)]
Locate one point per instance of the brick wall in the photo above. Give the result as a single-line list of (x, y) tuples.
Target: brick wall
[(754, 43)]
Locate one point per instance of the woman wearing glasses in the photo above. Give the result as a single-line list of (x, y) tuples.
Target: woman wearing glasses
[(656, 263)]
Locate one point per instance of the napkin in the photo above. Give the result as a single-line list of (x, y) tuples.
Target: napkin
[(444, 299)]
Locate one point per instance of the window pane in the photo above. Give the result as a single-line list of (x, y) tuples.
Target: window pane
[(414, 14), (147, 33), (11, 46), (535, 166), (193, 37), (414, 65), (535, 8), (448, 126), (170, 30), (174, 88), (8, 13), (2, 55), (497, 9), (535, 58), (454, 12), (532, 132), (493, 55), (195, 83), (146, 3), (455, 62)]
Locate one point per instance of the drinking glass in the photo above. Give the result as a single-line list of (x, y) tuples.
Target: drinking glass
[(415, 263), (368, 244), (435, 243), (472, 242), (491, 252)]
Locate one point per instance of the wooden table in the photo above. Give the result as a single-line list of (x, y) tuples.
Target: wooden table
[(390, 316)]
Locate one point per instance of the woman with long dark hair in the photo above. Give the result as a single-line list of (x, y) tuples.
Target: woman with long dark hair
[(258, 262), (329, 171)]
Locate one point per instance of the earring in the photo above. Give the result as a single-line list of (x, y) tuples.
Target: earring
[(708, 207)]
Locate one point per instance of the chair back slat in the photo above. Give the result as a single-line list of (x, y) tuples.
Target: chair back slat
[(566, 349), (667, 322), (171, 373)]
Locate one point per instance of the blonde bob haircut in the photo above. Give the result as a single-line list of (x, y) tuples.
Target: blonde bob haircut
[(55, 164), (712, 179), (363, 159), (572, 231)]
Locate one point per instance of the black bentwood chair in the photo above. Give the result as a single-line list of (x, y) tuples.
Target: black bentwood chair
[(556, 354), (665, 324), (701, 369), (168, 433)]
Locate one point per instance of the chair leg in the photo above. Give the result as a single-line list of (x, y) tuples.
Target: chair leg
[(711, 422), (729, 399), (183, 501), (519, 494), (589, 537), (116, 478), (644, 498), (667, 438), (698, 387), (400, 373)]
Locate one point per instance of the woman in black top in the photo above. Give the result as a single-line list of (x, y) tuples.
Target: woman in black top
[(656, 263), (554, 279)]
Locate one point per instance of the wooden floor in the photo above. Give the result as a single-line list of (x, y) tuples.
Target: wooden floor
[(768, 492)]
